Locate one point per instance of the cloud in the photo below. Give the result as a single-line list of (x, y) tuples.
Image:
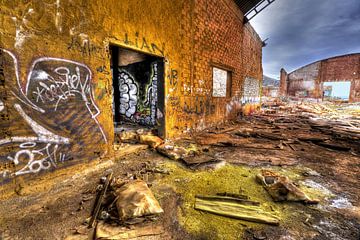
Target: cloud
[(304, 31)]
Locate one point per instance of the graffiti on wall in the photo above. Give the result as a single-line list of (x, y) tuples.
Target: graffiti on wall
[(251, 91), (85, 46), (138, 97), (198, 105), (52, 120), (128, 94), (143, 44)]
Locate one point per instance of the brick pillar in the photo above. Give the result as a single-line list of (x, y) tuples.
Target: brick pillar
[(283, 82)]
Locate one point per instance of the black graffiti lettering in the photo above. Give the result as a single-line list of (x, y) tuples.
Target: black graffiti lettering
[(144, 44), (127, 41), (155, 48)]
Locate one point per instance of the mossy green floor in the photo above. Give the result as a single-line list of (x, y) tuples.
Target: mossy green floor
[(231, 179)]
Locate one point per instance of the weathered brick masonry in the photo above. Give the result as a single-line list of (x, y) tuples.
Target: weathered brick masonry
[(309, 79), (56, 82)]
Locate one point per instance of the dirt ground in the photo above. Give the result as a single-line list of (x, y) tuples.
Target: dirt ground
[(241, 149)]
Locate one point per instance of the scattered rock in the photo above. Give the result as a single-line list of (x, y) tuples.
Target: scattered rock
[(174, 153), (151, 140), (281, 188), (129, 137)]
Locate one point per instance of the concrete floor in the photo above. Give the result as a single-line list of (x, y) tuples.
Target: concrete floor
[(56, 208)]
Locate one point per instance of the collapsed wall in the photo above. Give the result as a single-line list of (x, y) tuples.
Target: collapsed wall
[(308, 81)]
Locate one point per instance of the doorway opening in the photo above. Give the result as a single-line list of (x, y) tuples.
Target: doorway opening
[(336, 90), (138, 91)]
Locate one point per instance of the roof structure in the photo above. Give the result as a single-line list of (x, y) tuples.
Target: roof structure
[(251, 8)]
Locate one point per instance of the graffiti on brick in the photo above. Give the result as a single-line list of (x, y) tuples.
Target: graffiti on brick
[(128, 94), (83, 45), (143, 44), (251, 91), (198, 105), (138, 97), (52, 120)]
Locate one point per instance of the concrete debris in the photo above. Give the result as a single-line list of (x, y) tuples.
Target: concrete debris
[(135, 199), (151, 140), (281, 188), (235, 208), (106, 231), (174, 153), (129, 137), (334, 119)]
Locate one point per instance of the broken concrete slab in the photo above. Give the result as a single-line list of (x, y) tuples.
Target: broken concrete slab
[(177, 152), (281, 188), (129, 137), (151, 140)]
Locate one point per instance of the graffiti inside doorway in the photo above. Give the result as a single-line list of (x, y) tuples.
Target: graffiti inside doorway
[(137, 84)]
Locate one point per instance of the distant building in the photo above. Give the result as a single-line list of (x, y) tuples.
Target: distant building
[(270, 87), (333, 78)]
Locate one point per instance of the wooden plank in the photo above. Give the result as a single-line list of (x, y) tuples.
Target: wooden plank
[(237, 211)]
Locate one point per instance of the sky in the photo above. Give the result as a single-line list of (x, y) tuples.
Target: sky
[(304, 31)]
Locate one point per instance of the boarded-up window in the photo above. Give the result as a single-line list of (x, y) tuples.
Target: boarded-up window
[(221, 82)]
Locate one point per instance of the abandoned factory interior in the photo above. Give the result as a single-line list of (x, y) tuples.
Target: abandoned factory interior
[(180, 119)]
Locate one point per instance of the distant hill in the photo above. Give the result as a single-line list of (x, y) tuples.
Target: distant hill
[(268, 81)]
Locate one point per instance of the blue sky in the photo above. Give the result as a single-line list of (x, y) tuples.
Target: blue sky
[(304, 31)]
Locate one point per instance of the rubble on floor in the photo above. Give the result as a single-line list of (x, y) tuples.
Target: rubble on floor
[(281, 188), (114, 232), (134, 199), (288, 148)]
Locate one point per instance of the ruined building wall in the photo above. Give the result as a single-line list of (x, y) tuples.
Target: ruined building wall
[(345, 68), (307, 81), (283, 82), (302, 82), (56, 82), (216, 38)]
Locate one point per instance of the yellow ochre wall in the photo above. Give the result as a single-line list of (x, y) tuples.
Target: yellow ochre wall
[(69, 39)]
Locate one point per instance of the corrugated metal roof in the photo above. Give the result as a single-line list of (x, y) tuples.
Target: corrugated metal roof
[(246, 5)]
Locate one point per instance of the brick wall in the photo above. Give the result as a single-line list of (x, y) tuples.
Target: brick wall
[(310, 78), (346, 68), (216, 36), (56, 82)]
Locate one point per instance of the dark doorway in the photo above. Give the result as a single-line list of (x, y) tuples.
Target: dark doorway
[(138, 90)]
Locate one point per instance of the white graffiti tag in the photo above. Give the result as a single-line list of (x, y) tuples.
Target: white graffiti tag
[(38, 144), (2, 106), (154, 93), (59, 84), (128, 94), (38, 159)]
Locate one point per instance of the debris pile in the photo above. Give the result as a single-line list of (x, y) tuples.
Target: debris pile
[(281, 188), (342, 120), (125, 207)]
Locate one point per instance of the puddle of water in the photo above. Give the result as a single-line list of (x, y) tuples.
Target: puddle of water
[(341, 203), (317, 186)]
